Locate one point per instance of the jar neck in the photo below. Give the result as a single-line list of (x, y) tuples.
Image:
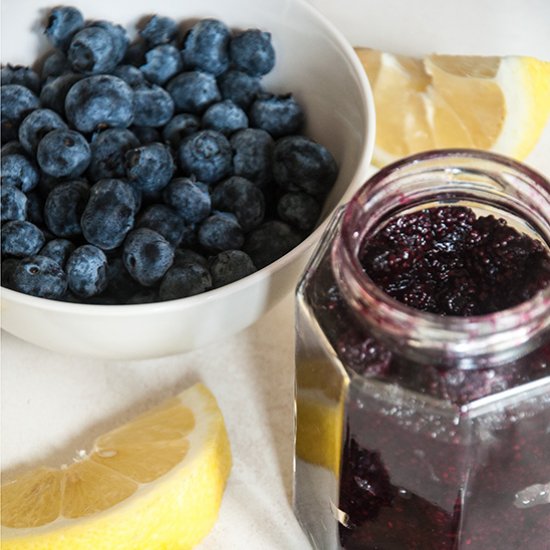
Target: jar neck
[(482, 181)]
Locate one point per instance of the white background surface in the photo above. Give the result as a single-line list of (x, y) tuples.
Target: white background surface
[(54, 405)]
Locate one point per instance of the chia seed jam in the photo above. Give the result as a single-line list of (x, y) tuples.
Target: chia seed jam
[(423, 362)]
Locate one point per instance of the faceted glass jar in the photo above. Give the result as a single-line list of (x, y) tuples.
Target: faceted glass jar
[(414, 430)]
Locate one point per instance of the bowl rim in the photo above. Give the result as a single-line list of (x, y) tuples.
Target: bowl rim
[(359, 176)]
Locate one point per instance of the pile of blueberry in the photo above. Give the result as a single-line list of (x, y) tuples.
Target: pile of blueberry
[(152, 170)]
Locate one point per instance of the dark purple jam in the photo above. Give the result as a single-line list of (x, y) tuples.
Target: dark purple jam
[(411, 480)]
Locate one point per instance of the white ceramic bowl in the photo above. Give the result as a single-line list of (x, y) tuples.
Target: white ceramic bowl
[(318, 66)]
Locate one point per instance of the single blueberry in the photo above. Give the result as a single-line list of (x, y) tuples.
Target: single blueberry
[(193, 91), (189, 198), (163, 62), (299, 210), (55, 65), (14, 204), (108, 152), (100, 101), (252, 52), (36, 125), (153, 105), (150, 167), (87, 271), (109, 214), (146, 134), (21, 238), (252, 159), (92, 51), (63, 23), (147, 255), (239, 87), (63, 153), (159, 30), (163, 220), (118, 35), (225, 117), (300, 164), (40, 276), (207, 155), (58, 250), (220, 231), (206, 46), (64, 207), (185, 280), (130, 74), (180, 127), (230, 266), (18, 74), (270, 241), (16, 102), (54, 92), (242, 198), (280, 115), (19, 171)]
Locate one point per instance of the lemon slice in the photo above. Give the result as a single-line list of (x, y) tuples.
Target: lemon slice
[(500, 104), (156, 482)]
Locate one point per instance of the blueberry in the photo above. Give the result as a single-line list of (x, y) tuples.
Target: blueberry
[(147, 255), (220, 231), (270, 241), (159, 30), (87, 271), (189, 198), (243, 199), (163, 62), (100, 101), (8, 269), (163, 220), (206, 46), (16, 102), (153, 105), (92, 51), (180, 127), (108, 152), (63, 23), (225, 117), (63, 153), (279, 115), (40, 276), (149, 167), (130, 74), (207, 155), (36, 125), (21, 238), (146, 134), (18, 74), (193, 91), (299, 210), (300, 164), (118, 36), (54, 65), (252, 52), (19, 171), (58, 250), (64, 207), (54, 92), (253, 150), (14, 204), (185, 280), (109, 214), (239, 87), (230, 266)]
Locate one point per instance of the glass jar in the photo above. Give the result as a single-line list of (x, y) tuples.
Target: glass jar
[(416, 430)]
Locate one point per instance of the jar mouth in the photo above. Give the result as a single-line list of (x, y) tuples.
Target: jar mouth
[(468, 341)]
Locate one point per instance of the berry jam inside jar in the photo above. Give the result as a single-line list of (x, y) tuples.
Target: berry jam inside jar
[(423, 362)]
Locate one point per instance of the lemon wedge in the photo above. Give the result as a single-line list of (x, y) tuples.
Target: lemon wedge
[(499, 104), (155, 482)]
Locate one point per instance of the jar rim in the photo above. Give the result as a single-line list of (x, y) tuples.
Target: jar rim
[(453, 336)]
